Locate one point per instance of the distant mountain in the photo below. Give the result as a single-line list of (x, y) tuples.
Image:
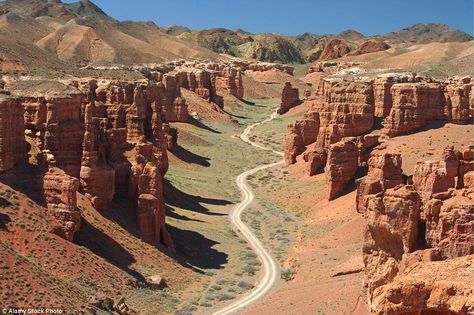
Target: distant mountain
[(310, 47), (220, 40), (427, 33), (50, 33), (351, 35)]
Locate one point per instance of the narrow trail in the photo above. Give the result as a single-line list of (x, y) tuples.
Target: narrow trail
[(271, 271)]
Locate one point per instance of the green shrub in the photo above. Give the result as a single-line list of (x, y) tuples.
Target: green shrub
[(287, 274)]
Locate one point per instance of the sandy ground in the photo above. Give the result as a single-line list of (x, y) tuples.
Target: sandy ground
[(428, 143), (330, 243)]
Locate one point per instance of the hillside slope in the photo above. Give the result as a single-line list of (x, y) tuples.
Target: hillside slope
[(52, 32)]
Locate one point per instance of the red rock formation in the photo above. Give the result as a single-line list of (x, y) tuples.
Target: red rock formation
[(12, 137), (341, 167), (147, 186), (64, 133), (334, 48), (414, 104), (439, 287), (230, 79), (469, 180), (293, 144), (405, 232), (457, 100), (385, 172), (290, 97), (391, 229), (60, 195), (315, 159), (174, 108), (266, 66), (347, 111), (171, 136), (301, 134), (450, 226), (370, 46), (97, 178), (433, 177), (466, 164), (382, 97)]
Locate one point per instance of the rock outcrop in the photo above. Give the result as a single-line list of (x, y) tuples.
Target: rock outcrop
[(373, 110), (125, 146), (456, 94), (12, 137), (57, 128), (146, 186), (347, 111), (328, 48), (432, 177), (412, 230), (341, 167), (290, 97), (60, 196), (102, 138), (206, 79), (370, 46), (265, 66), (412, 106), (382, 97), (438, 287), (300, 134), (384, 172)]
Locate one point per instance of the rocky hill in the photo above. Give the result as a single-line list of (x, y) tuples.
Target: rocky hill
[(310, 47), (428, 33), (51, 34)]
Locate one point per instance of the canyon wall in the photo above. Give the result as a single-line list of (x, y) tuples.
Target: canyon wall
[(372, 110), (108, 138), (415, 230), (99, 137), (290, 97)]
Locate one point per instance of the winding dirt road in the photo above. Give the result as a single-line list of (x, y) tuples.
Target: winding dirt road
[(271, 271)]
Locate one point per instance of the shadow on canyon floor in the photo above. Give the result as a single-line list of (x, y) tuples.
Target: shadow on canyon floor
[(178, 198), (197, 250), (235, 116), (4, 220), (170, 212), (104, 246), (189, 157), (197, 123)]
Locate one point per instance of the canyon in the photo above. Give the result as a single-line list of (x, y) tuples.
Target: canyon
[(162, 170)]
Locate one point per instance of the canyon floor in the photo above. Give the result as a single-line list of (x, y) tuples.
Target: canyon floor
[(309, 241)]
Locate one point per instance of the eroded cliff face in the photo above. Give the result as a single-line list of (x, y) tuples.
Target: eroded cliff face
[(411, 230), (102, 138), (206, 79), (371, 111), (290, 97), (12, 138)]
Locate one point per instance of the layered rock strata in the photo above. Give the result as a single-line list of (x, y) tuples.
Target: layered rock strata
[(374, 110), (411, 230), (290, 97), (104, 138)]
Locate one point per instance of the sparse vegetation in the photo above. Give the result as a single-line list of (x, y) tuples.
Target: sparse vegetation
[(287, 274)]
